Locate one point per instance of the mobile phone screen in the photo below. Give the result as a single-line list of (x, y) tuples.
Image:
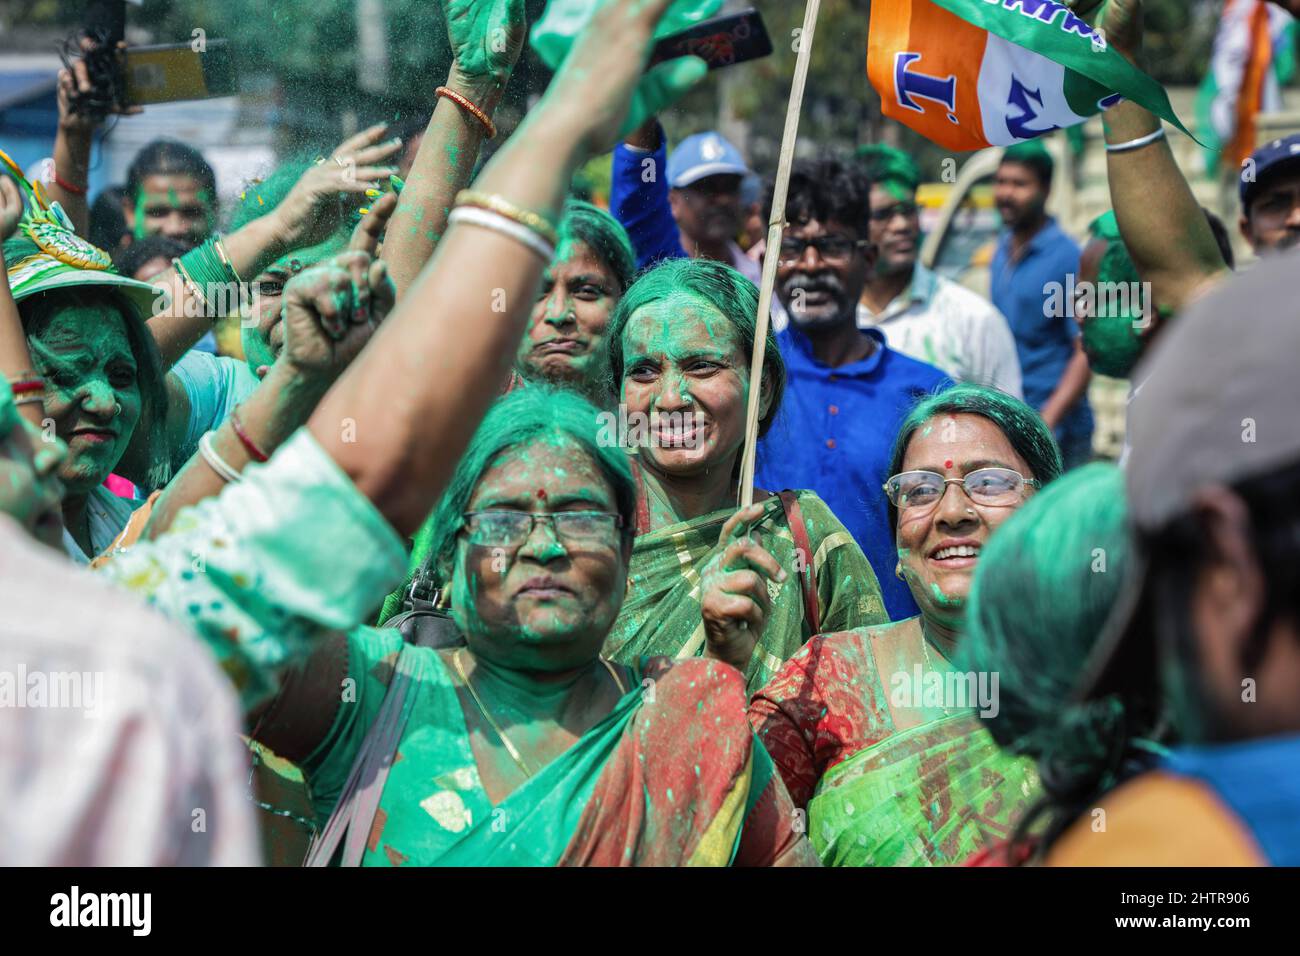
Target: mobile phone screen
[(165, 74), (722, 41)]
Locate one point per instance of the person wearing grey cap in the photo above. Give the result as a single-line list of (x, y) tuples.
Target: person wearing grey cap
[(1213, 607)]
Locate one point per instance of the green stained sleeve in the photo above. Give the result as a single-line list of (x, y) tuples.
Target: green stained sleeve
[(260, 572), (847, 590)]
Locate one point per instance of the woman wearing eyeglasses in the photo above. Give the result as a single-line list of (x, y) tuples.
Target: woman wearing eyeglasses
[(874, 730), (521, 745)]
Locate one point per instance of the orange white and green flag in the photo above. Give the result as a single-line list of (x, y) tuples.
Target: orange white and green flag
[(974, 73)]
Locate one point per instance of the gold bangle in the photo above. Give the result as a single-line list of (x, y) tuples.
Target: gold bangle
[(225, 259), (504, 207), (191, 286)]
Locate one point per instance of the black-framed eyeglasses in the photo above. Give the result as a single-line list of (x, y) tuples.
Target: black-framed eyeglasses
[(830, 248), (905, 209), (510, 529), (913, 490)]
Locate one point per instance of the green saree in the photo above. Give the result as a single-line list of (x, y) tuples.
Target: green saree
[(661, 613), (668, 777), (936, 793), (877, 734)]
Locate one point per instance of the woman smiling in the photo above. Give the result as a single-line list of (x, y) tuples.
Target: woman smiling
[(748, 588), (873, 729), (104, 380)]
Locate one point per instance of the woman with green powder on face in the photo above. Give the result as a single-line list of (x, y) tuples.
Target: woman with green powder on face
[(873, 729), (566, 342), (748, 588), (104, 387), (271, 595), (523, 745)]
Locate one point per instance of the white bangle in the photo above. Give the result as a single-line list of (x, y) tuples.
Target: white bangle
[(1138, 143), (488, 219), (215, 461)]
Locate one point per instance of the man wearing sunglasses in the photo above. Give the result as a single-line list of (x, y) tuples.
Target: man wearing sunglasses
[(846, 390), (923, 314)]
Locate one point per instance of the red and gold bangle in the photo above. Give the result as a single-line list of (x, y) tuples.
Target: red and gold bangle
[(469, 108), (250, 446), (27, 385), (67, 186), (504, 207)]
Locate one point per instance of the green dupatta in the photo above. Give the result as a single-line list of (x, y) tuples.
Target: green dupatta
[(661, 613), (633, 790), (935, 788), (435, 810), (929, 795)]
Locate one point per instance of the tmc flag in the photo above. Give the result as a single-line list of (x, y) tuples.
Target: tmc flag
[(974, 73)]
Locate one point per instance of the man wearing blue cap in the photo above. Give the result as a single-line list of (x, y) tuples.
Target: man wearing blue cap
[(684, 205), (1270, 196)]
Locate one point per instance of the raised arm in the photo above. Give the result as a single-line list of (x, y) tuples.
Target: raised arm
[(418, 392), (311, 212), (1159, 219), (15, 359), (310, 363), (67, 181), (486, 39)]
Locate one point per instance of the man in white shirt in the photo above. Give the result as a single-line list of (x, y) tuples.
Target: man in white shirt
[(922, 314)]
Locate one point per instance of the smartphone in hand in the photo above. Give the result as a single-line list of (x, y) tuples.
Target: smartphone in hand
[(722, 41)]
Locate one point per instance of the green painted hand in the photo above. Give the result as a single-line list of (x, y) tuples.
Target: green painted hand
[(486, 36)]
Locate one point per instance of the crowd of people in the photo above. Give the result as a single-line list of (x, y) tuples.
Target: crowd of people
[(398, 523)]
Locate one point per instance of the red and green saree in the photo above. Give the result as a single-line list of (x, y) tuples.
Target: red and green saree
[(889, 777), (671, 777), (661, 612)]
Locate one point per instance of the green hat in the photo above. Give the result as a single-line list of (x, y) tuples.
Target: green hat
[(47, 254), (1031, 153), (885, 163)]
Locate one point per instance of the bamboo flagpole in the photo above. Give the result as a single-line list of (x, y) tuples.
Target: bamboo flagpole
[(775, 228)]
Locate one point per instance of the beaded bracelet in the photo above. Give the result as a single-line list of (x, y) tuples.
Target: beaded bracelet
[(504, 207), (215, 461), (249, 445), (488, 219), (469, 108)]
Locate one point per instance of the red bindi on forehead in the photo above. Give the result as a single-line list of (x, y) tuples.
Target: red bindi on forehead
[(948, 463), (541, 494)]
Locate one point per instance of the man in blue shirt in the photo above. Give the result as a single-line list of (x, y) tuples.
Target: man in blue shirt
[(846, 391), (686, 205), (1033, 267)]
